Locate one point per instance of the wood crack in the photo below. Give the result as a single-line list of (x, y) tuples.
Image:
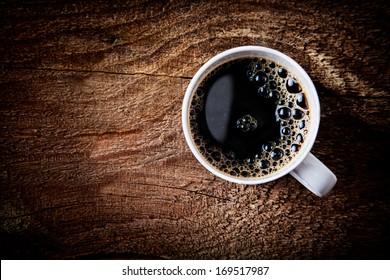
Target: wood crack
[(175, 188), (100, 72), (45, 210)]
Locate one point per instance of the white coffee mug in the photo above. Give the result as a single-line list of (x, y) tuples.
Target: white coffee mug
[(305, 167)]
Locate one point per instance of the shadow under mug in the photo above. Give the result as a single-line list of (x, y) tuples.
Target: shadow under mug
[(305, 167)]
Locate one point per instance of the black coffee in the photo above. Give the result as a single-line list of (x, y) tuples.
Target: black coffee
[(249, 117)]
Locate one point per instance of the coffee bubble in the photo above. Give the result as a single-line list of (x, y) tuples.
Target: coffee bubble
[(301, 101), (293, 86), (264, 164), (297, 114), (301, 124), (263, 91), (277, 154), (286, 130), (273, 85), (216, 156), (284, 113), (260, 79), (274, 95), (268, 147), (295, 147), (282, 73)]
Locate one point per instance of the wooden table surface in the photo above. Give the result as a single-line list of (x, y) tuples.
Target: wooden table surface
[(93, 161)]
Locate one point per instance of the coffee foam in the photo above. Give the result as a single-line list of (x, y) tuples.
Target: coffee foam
[(275, 82)]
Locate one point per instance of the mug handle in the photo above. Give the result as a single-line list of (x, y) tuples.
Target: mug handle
[(314, 175)]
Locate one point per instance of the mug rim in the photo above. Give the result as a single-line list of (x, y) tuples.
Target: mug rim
[(299, 72)]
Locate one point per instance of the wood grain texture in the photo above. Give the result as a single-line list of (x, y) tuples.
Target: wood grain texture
[(93, 162)]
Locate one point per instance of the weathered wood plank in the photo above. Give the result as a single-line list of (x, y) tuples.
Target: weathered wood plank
[(176, 38), (93, 162)]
